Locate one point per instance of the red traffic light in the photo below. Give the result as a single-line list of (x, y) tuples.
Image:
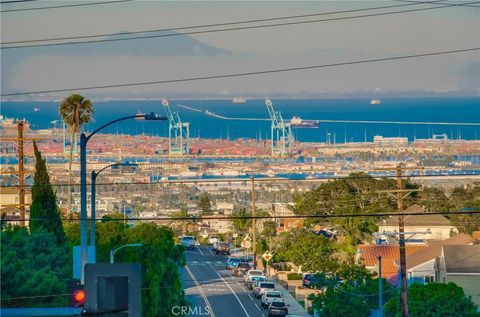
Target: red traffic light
[(79, 296)]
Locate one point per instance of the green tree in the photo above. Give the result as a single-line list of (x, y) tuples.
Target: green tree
[(33, 265), (269, 229), (242, 223), (466, 198), (434, 300), (205, 204), (313, 253), (75, 111), (355, 194), (351, 292), (44, 213)]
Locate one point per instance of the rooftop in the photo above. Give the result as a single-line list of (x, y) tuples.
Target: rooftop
[(434, 249), (417, 220), (462, 258)]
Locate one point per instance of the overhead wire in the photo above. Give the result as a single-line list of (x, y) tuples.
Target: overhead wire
[(217, 24), (60, 6), (245, 217), (243, 74), (16, 1), (236, 28), (244, 180)]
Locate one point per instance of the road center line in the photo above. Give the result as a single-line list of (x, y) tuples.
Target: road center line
[(200, 289), (199, 250), (238, 299)]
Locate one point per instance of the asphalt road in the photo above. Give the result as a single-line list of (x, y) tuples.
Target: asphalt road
[(213, 291)]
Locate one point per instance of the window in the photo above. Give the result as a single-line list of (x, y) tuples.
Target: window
[(429, 279)]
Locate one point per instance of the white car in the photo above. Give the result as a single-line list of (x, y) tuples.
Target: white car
[(270, 297), (263, 287), (212, 240), (250, 273)]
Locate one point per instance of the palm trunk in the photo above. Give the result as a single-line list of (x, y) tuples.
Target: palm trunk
[(69, 181)]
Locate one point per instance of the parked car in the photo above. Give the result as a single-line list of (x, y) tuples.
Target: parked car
[(242, 268), (277, 309), (232, 263), (223, 248), (212, 240), (309, 280), (263, 287), (254, 280), (188, 242), (250, 273), (271, 296)]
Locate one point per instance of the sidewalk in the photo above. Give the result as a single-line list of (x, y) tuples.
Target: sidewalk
[(295, 308)]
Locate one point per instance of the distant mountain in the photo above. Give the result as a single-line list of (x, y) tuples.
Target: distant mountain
[(151, 47)]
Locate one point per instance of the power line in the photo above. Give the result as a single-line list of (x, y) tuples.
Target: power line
[(61, 6), (219, 24), (356, 215), (242, 180), (232, 75), (17, 1), (237, 28)]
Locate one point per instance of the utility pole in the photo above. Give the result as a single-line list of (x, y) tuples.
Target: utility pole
[(21, 173), (400, 195), (254, 226), (19, 141), (380, 286)]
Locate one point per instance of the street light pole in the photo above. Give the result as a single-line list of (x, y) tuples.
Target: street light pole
[(83, 185), (113, 251), (93, 201)]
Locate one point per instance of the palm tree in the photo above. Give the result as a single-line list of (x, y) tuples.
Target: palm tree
[(75, 111)]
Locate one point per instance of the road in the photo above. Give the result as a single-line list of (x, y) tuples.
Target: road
[(213, 291)]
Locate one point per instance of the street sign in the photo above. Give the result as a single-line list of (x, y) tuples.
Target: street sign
[(247, 244), (267, 256), (247, 238), (235, 235)]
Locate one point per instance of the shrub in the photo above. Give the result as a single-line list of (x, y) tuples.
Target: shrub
[(294, 276)]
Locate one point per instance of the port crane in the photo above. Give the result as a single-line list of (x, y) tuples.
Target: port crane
[(282, 137), (178, 132)]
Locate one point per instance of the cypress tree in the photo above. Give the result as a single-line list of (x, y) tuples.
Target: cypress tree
[(44, 213)]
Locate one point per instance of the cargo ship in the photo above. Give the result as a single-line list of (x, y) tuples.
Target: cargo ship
[(375, 101), (297, 122)]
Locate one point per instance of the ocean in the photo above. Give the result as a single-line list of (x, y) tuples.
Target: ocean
[(451, 109)]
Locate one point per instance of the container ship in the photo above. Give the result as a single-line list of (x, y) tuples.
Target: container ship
[(297, 122)]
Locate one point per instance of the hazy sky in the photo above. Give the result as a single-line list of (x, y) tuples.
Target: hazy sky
[(242, 50)]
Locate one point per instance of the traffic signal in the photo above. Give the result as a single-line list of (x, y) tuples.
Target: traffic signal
[(79, 298), (77, 291)]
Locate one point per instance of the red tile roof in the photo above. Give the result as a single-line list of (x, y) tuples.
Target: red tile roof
[(389, 254)]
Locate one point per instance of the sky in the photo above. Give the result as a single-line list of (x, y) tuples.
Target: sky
[(217, 53)]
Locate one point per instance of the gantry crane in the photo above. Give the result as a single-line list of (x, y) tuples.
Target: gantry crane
[(282, 137), (178, 132)]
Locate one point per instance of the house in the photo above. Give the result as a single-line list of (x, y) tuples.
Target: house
[(418, 228), (286, 224), (389, 253), (460, 264), (10, 196), (422, 267)]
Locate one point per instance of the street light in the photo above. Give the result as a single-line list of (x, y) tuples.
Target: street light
[(93, 202), (113, 251), (83, 183)]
